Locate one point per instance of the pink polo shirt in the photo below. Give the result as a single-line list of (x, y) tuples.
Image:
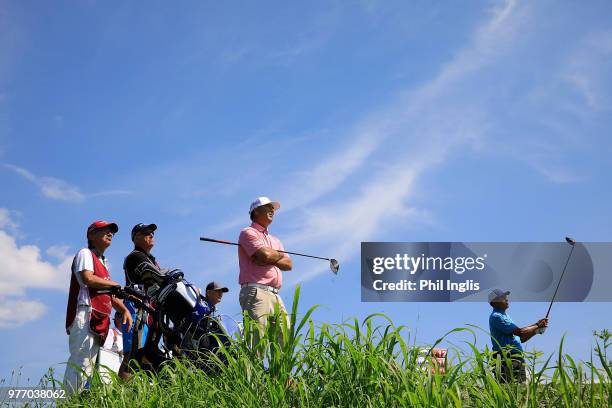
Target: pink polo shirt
[(251, 239)]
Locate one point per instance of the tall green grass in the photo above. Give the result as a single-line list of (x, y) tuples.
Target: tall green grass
[(367, 363)]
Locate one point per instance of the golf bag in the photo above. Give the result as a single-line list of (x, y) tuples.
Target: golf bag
[(183, 319), (189, 325)]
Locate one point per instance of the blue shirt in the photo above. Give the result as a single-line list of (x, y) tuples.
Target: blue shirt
[(202, 309), (129, 335), (501, 327)]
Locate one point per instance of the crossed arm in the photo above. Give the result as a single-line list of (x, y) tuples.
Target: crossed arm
[(269, 256)]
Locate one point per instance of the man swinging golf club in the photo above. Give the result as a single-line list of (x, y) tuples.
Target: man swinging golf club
[(507, 336), (261, 265)]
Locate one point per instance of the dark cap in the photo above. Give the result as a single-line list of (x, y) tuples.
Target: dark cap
[(216, 286), (96, 225), (143, 227)]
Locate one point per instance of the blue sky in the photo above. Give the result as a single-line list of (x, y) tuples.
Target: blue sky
[(368, 121)]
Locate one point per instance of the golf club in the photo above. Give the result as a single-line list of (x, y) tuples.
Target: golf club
[(572, 242), (333, 264)]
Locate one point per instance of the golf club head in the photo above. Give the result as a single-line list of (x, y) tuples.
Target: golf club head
[(570, 241), (334, 266)]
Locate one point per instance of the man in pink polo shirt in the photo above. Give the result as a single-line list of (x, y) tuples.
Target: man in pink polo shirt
[(261, 264)]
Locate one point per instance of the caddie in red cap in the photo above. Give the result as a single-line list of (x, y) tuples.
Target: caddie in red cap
[(88, 311)]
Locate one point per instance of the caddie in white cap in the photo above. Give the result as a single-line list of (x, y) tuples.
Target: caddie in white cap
[(507, 337), (261, 264)]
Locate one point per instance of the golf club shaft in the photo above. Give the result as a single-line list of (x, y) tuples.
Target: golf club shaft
[(218, 241), (559, 283)]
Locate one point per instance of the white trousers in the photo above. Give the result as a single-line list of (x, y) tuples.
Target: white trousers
[(84, 347)]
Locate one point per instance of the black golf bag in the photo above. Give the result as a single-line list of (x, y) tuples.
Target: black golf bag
[(183, 320)]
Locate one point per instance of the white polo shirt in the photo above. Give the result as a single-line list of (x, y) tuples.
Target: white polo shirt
[(84, 261)]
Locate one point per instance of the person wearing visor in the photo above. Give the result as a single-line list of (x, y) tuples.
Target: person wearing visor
[(142, 272), (506, 336), (90, 305), (261, 264)]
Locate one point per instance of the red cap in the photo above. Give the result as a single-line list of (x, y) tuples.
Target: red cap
[(96, 225)]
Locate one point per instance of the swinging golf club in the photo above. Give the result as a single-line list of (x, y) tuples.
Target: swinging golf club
[(333, 264), (572, 243)]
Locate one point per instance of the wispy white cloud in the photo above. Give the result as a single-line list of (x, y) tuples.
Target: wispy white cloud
[(6, 222), (289, 42), (401, 120), (457, 110), (58, 189), (413, 136), (310, 184), (327, 175), (307, 42), (551, 101), (547, 160), (588, 69), (50, 187), (383, 200)]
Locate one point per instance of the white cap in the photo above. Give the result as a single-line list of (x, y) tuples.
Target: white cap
[(497, 294), (259, 201)]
